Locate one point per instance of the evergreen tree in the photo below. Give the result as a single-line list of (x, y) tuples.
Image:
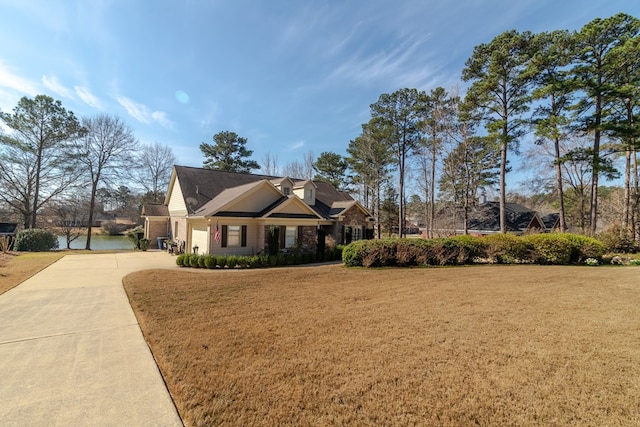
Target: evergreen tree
[(595, 70), (500, 92), (396, 115), (331, 167), (228, 153)]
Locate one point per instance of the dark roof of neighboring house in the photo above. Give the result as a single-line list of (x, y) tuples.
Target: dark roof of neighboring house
[(551, 220), (486, 217), (200, 186), (154, 209)]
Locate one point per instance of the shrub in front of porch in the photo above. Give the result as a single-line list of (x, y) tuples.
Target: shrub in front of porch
[(257, 261)]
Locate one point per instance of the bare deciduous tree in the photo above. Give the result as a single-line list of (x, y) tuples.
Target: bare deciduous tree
[(154, 163), (106, 151)]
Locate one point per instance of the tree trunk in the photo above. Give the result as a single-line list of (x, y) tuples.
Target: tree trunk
[(432, 200), (593, 211), (636, 198), (626, 209), (559, 189), (401, 158), (503, 192), (36, 192), (92, 206)]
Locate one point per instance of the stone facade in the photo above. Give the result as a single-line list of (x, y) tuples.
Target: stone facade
[(354, 217), (309, 239)]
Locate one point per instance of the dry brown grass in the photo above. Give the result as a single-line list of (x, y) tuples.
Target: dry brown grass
[(16, 268), (486, 345)]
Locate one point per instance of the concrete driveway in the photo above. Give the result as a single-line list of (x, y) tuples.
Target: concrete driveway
[(71, 350)]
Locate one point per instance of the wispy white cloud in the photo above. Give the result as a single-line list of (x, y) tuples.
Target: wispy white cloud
[(12, 81), (161, 118), (143, 114), (89, 98), (397, 65), (298, 145), (53, 84)]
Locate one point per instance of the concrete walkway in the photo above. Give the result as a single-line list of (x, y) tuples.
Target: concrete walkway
[(71, 350)]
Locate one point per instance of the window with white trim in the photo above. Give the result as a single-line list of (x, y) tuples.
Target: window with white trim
[(356, 233), (290, 236), (233, 236)]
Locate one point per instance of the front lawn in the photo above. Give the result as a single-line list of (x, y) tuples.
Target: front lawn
[(16, 268), (482, 345)]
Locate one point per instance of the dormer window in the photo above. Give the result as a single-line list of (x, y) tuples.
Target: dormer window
[(286, 191)]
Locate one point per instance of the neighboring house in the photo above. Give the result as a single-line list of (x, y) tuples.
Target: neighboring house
[(485, 219), (8, 229), (221, 212)]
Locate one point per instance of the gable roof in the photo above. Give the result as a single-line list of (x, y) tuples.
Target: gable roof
[(230, 195), (277, 210), (208, 191), (486, 217), (199, 186), (551, 221), (154, 209)]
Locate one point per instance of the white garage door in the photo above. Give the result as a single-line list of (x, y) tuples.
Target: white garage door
[(199, 238)]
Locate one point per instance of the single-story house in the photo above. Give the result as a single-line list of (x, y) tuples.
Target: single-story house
[(216, 212), (484, 219)]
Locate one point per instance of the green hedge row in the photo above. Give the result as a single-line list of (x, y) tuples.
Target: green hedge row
[(257, 261), (556, 249)]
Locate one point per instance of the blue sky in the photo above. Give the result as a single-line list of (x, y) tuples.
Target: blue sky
[(292, 76)]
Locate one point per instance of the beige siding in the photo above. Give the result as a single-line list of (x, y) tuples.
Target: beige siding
[(177, 206), (255, 202), (179, 229), (300, 192)]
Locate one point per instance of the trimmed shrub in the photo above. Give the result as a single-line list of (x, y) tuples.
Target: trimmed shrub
[(447, 251), (232, 261), (35, 240), (584, 247), (305, 258), (471, 247), (379, 253), (352, 253), (193, 260), (506, 249), (412, 252), (210, 261), (201, 261), (182, 260), (264, 260), (550, 248)]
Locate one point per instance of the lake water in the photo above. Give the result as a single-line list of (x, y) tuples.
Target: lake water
[(99, 242)]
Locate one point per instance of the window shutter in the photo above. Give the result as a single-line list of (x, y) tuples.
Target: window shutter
[(243, 236), (224, 236), (283, 236), (299, 242)]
